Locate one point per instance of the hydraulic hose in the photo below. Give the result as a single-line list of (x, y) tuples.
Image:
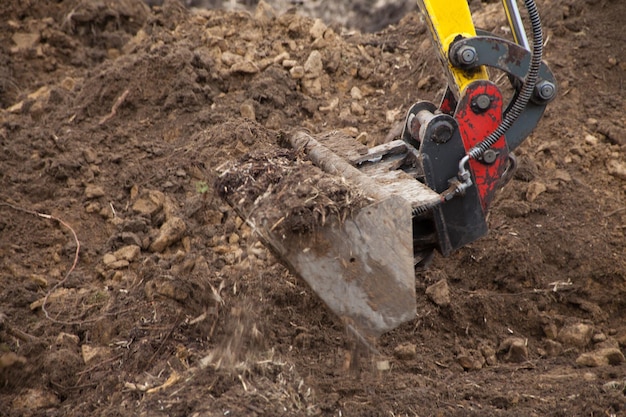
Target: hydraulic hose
[(520, 103), (527, 89)]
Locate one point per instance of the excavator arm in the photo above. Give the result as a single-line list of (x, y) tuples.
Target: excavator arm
[(428, 191)]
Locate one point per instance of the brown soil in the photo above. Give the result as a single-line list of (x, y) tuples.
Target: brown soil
[(115, 122)]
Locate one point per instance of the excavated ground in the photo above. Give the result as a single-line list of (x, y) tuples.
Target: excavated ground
[(128, 287)]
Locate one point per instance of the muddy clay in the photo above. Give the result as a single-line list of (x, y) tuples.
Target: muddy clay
[(128, 287)]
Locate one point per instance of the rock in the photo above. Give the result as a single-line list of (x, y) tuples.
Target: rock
[(383, 365), (244, 67), (553, 348), (149, 203), (515, 349), (534, 190), (489, 354), (66, 339), (229, 59), (108, 259), (118, 264), (318, 29), (599, 338), (34, 399), (314, 66), (93, 353), (297, 72), (356, 94), (551, 331), (577, 335), (171, 232), (93, 191), (439, 293), (128, 253), (247, 110), (24, 41), (10, 359), (601, 357), (617, 168), (405, 351), (470, 360), (357, 109), (264, 13)]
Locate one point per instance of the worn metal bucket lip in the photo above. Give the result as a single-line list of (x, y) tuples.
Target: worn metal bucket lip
[(362, 267)]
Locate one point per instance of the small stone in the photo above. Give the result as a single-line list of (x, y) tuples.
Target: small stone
[(470, 360), (66, 339), (383, 365), (229, 59), (118, 264), (25, 40), (92, 353), (362, 138), (439, 293), (314, 66), (577, 335), (514, 349), (247, 110), (598, 338), (94, 191), (233, 239), (39, 280), (244, 67), (93, 207), (553, 348), (551, 331), (318, 29), (601, 357), (562, 175), (357, 109), (149, 203), (591, 139), (90, 155), (312, 86), (171, 232), (108, 259), (9, 359), (405, 351), (297, 72), (617, 168), (534, 190), (264, 13), (489, 354), (356, 93), (128, 253), (34, 399), (281, 58), (331, 106)]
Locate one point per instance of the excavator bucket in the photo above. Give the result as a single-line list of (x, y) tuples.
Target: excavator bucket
[(359, 262)]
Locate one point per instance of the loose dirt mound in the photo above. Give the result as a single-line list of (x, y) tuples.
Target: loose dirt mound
[(115, 122)]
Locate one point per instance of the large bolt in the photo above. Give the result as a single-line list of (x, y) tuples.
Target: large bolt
[(490, 156), (442, 131), (481, 103), (545, 90), (466, 55)]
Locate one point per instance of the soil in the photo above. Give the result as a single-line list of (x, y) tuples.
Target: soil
[(128, 287)]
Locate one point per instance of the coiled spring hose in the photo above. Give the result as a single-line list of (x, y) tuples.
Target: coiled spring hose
[(520, 103)]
